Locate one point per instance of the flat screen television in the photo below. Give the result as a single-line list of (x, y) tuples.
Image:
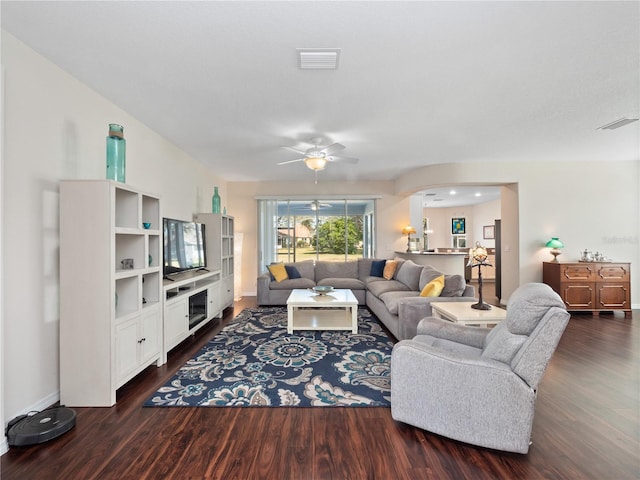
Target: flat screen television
[(184, 246)]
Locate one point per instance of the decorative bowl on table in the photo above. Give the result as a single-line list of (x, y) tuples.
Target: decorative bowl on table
[(322, 289)]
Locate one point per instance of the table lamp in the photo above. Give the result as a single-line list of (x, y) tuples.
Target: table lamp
[(478, 258), (555, 245), (408, 230)]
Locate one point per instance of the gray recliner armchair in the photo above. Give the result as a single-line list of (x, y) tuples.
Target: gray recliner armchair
[(474, 384)]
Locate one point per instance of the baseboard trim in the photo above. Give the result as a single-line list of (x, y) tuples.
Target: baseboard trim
[(44, 403)]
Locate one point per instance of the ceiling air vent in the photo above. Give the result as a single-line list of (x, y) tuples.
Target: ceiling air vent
[(318, 58), (618, 123)]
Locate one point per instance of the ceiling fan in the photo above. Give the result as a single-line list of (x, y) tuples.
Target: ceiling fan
[(312, 206), (316, 205), (316, 157)]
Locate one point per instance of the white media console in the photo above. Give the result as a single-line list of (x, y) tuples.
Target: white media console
[(190, 301)]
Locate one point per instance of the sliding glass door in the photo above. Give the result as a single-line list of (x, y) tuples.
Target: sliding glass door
[(318, 229)]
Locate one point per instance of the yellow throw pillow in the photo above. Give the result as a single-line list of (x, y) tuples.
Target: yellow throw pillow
[(433, 288), (389, 269), (278, 271)]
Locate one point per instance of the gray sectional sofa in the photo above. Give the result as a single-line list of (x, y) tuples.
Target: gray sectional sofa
[(396, 302)]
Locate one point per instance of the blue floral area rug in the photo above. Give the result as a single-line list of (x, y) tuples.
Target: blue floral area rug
[(254, 362)]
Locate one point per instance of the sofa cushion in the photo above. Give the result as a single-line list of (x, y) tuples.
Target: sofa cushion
[(278, 272), (326, 269), (427, 275), (409, 274), (377, 268), (433, 288), (454, 286), (292, 272), (399, 261), (290, 284), (305, 268), (368, 280), (383, 286), (392, 299), (350, 283), (389, 269), (364, 267)]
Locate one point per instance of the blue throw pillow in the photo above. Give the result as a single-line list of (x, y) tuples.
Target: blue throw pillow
[(377, 268), (292, 271)]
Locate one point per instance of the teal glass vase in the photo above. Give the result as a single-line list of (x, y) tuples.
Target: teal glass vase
[(116, 153), (215, 201)]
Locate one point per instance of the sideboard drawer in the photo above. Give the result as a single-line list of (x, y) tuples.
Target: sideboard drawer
[(576, 272), (613, 272)]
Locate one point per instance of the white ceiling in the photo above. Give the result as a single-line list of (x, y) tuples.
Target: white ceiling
[(456, 196), (418, 83)]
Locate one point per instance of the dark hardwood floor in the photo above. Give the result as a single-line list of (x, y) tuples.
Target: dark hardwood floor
[(586, 427)]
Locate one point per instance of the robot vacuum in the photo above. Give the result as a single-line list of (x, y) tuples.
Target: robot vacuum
[(40, 427)]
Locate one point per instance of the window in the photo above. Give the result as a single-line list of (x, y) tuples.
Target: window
[(459, 241), (319, 229)]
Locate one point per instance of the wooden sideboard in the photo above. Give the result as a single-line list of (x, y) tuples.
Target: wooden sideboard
[(590, 286)]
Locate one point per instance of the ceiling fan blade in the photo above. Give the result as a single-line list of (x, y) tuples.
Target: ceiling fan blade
[(301, 152), (335, 147), (291, 161), (336, 159)]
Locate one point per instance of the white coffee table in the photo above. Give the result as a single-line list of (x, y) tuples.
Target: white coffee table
[(306, 310), (461, 312)]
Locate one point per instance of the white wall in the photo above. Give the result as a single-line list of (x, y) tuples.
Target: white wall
[(591, 205), (55, 127), (484, 214), (477, 216), (3, 444)]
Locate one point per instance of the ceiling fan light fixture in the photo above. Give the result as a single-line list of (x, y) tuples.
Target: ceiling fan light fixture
[(315, 163)]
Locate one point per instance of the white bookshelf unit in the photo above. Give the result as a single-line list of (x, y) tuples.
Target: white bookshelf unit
[(220, 237), (191, 299), (110, 288)]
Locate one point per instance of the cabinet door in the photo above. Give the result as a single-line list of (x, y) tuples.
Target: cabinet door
[(226, 291), (149, 334), (126, 348), (213, 295), (176, 322), (579, 295), (613, 295)]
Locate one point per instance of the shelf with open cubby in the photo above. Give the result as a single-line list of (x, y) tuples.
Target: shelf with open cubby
[(107, 307)]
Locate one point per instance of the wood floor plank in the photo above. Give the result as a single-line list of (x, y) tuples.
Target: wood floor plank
[(586, 426)]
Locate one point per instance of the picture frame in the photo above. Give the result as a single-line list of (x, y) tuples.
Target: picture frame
[(489, 232), (458, 226)]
